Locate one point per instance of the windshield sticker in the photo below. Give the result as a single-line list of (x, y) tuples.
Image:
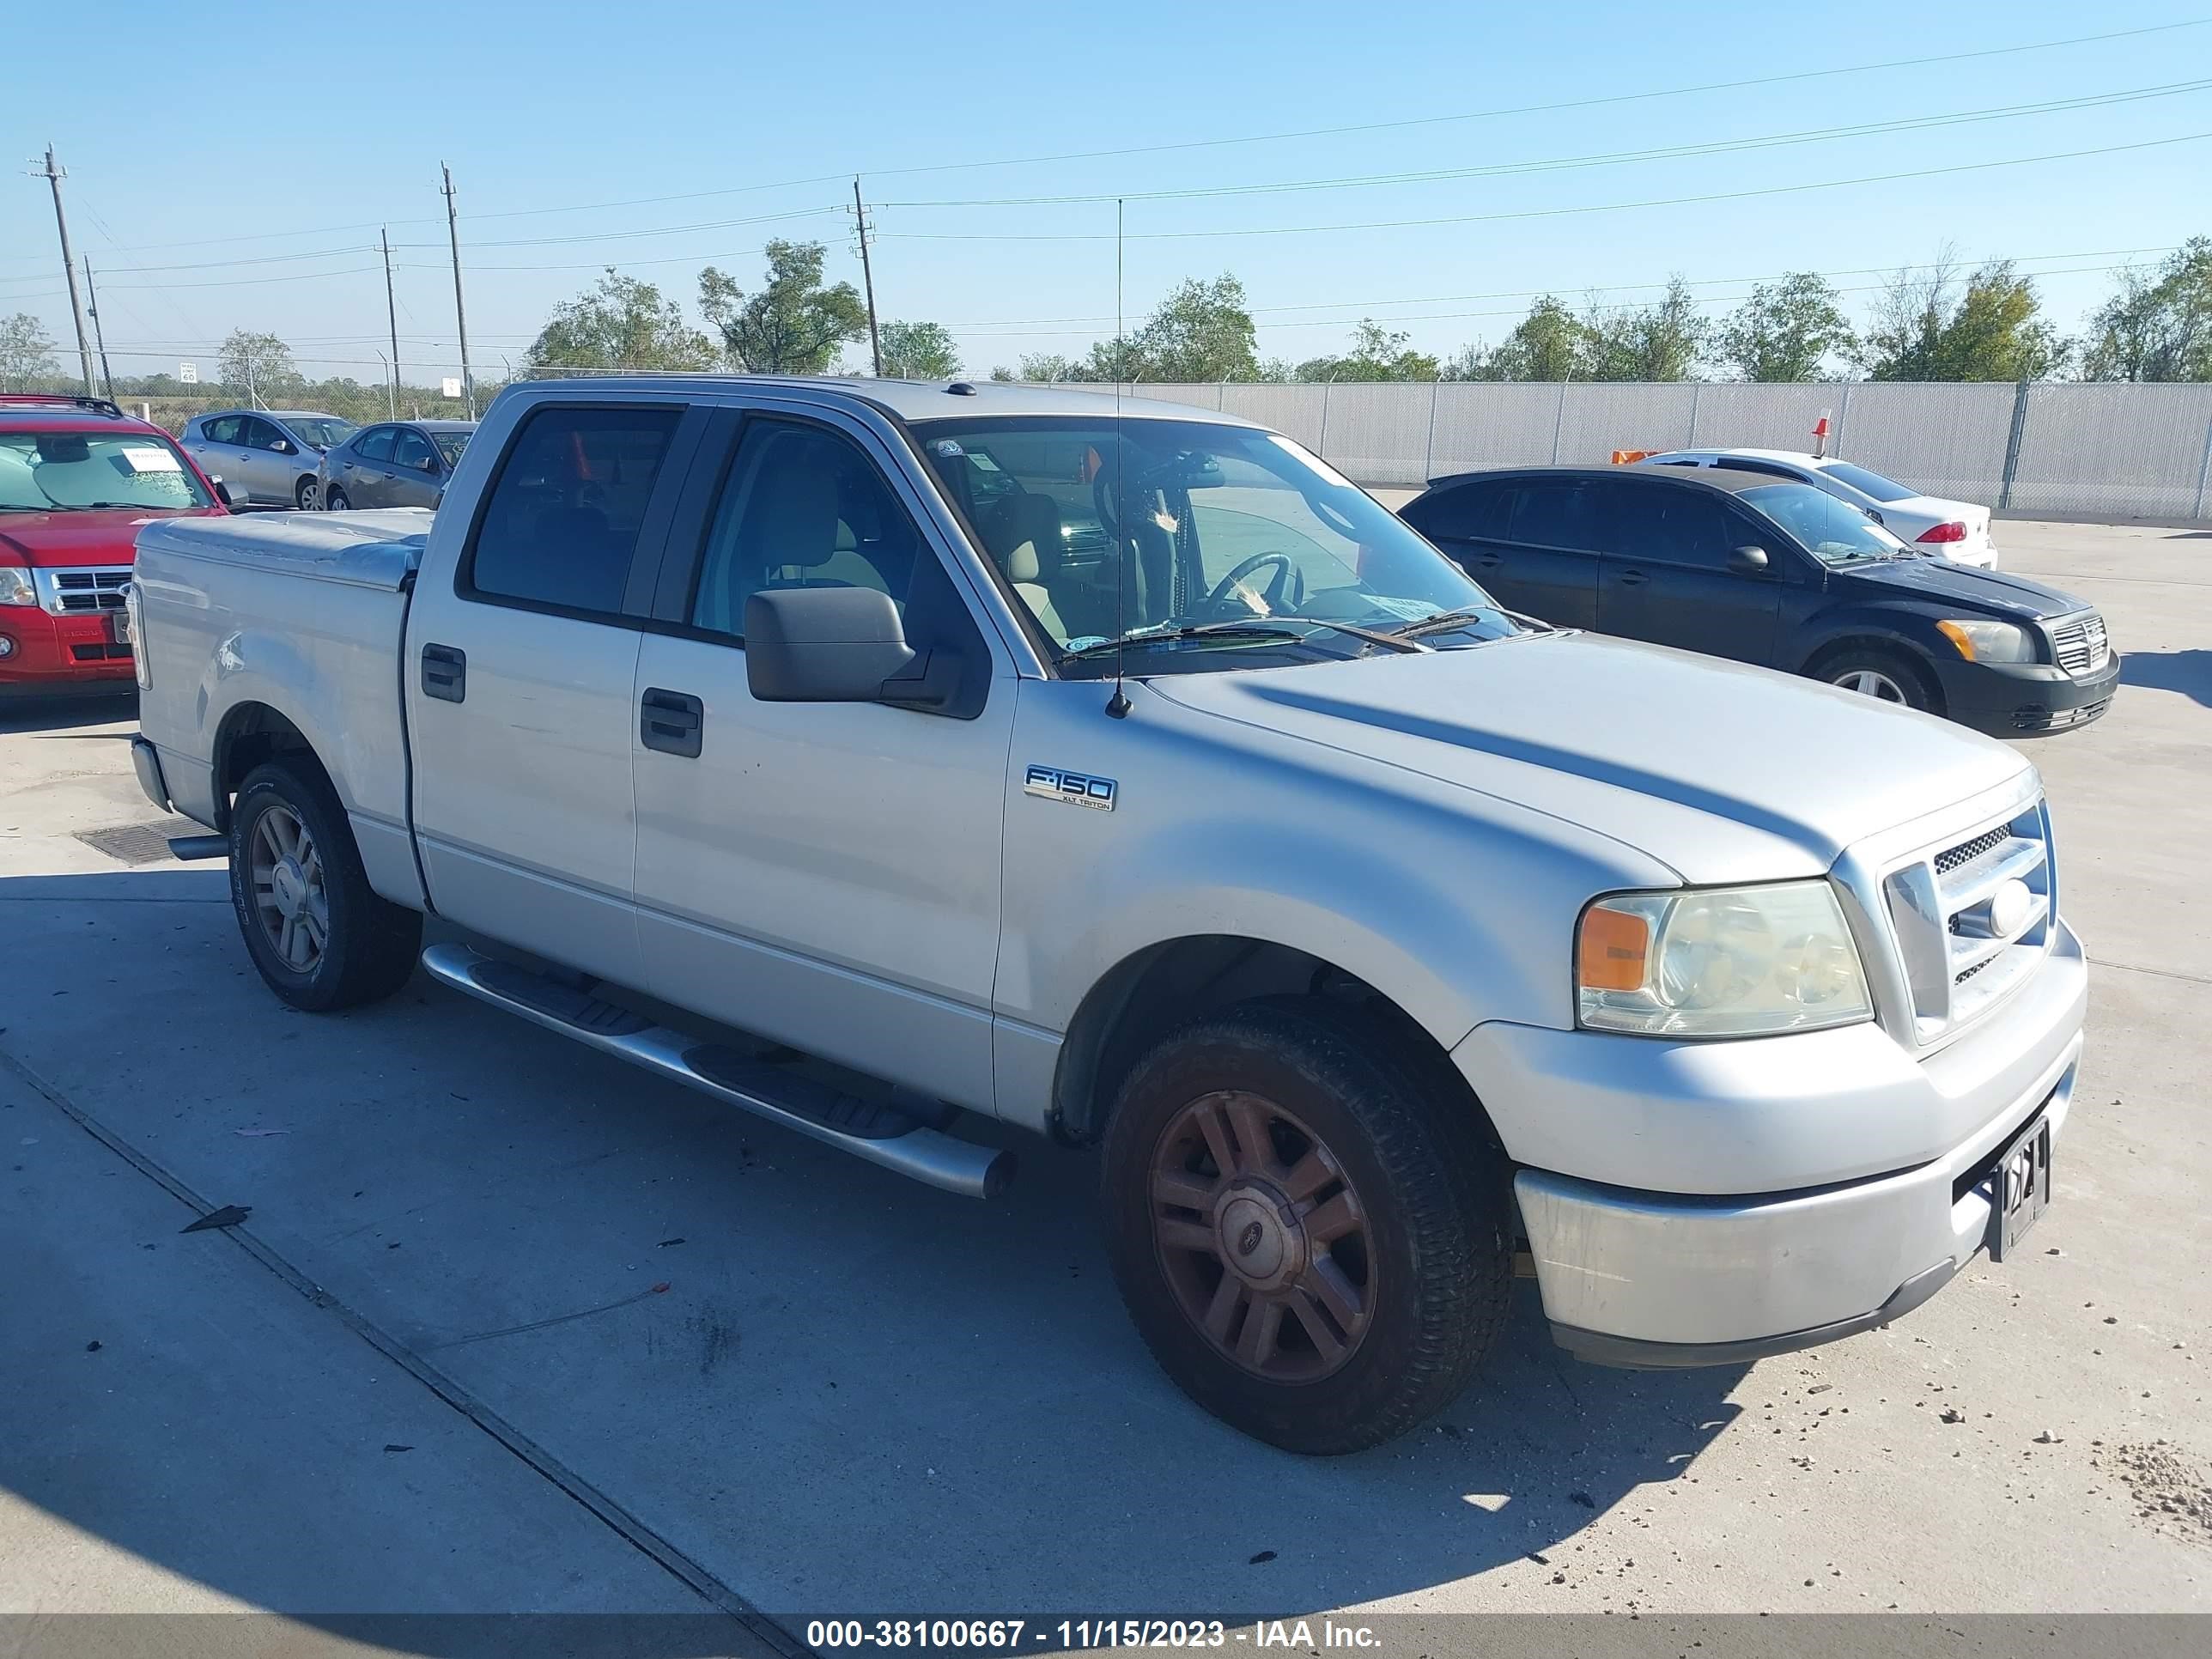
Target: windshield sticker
[(1410, 610), (949, 448), (151, 458)]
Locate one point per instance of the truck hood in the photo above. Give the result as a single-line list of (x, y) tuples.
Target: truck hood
[(1985, 592), (46, 541), (1721, 771)]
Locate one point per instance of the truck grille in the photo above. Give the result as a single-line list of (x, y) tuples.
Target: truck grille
[(1958, 964), (2081, 644), (81, 593)]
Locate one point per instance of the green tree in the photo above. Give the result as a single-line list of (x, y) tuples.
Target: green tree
[(261, 363), (620, 323), (1048, 367), (2159, 325), (26, 352), (1549, 343), (1786, 331), (1200, 331), (1658, 342), (1377, 354), (1932, 326), (920, 351), (795, 325)]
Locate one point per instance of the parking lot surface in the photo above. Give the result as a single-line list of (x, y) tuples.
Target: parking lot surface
[(511, 1326)]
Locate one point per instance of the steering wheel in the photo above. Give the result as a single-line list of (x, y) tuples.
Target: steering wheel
[(1287, 591)]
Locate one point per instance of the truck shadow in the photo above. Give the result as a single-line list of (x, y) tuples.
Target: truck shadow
[(2188, 672), (20, 714), (855, 1396)]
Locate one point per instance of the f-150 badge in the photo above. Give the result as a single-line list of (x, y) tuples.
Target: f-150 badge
[(1076, 788)]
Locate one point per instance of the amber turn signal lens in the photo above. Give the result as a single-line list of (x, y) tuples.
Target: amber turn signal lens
[(1613, 947)]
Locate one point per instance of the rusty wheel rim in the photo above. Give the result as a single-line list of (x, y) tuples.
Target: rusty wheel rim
[(1262, 1237)]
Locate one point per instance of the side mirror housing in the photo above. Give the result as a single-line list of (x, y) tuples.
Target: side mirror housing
[(283, 445), (222, 490), (837, 645), (1749, 561)]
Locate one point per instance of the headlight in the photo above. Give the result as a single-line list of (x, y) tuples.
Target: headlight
[(15, 585), (1719, 961), (1989, 641)]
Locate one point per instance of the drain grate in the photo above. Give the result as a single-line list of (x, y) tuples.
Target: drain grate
[(138, 843)]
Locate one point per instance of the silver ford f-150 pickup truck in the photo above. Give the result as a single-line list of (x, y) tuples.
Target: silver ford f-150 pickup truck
[(883, 757)]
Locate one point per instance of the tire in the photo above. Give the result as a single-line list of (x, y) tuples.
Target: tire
[(1887, 675), (1355, 1131), (321, 936), (336, 501), (304, 493)]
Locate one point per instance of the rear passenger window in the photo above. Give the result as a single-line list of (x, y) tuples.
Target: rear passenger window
[(222, 431), (562, 520), (802, 508), (1555, 512), (377, 445)]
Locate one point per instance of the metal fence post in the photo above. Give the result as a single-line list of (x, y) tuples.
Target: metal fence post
[(1429, 452), (1696, 390), (1842, 416), (2012, 446), (1559, 420), (1321, 448), (2203, 473)]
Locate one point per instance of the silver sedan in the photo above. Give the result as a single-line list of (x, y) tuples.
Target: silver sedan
[(393, 464)]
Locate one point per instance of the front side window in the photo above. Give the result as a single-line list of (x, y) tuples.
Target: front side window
[(411, 449), (1675, 525), (260, 435), (1203, 545), (562, 520), (69, 472), (1835, 533), (803, 507)]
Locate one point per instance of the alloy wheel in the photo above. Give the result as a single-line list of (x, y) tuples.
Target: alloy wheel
[(1871, 683), (289, 898)]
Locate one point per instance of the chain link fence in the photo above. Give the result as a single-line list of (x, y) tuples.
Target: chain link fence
[(2102, 452)]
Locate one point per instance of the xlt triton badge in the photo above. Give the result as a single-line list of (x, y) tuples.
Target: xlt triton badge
[(1050, 783)]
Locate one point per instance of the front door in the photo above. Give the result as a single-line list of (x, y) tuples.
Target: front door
[(1668, 575), (822, 874), (268, 474), (518, 679), (414, 470)]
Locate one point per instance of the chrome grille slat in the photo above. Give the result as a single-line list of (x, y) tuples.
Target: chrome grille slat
[(2080, 643), (1955, 970), (81, 592), (2014, 858)]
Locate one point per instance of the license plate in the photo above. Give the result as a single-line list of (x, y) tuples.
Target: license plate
[(2021, 1186)]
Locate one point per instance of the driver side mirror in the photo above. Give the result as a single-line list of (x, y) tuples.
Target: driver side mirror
[(283, 445), (839, 645), (222, 490), (1749, 561)]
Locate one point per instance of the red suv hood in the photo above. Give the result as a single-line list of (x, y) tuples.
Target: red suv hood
[(100, 536)]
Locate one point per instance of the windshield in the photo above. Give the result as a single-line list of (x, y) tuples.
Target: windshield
[(1866, 482), (50, 471), (450, 445), (1141, 528), (323, 431), (1834, 531)]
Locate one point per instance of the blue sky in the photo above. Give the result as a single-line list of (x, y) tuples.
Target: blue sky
[(200, 138)]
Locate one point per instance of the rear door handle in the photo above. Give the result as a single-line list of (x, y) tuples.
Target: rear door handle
[(445, 672), (671, 721)]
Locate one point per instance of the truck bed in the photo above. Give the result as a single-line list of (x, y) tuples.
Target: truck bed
[(300, 615)]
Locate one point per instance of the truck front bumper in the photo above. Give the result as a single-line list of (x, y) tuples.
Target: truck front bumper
[(1665, 1279)]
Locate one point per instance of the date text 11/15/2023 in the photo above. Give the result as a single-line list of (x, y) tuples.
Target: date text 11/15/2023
[(1003, 1635)]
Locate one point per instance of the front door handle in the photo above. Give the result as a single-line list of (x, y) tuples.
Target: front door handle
[(1632, 579), (445, 672), (671, 721)]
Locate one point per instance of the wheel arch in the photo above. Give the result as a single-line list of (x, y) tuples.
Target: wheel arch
[(1880, 642), (1151, 992), (251, 733)]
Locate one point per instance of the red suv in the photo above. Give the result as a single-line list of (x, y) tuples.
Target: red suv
[(77, 477)]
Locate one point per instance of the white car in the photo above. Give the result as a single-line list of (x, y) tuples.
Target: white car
[(1958, 531)]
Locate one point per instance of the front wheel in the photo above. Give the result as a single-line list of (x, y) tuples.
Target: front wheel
[(1885, 676), (321, 936), (1310, 1232)]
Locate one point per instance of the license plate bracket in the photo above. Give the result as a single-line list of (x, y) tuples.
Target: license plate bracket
[(2020, 1187)]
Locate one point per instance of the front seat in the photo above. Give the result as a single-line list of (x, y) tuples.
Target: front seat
[(1024, 534)]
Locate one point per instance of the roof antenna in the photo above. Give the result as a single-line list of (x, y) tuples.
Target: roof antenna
[(1117, 706)]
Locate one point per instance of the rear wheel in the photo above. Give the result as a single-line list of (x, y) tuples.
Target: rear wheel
[(1309, 1232), (305, 492), (336, 501), (321, 936), (1885, 676)]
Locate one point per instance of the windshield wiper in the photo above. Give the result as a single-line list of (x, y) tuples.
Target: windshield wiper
[(1444, 621), (1258, 631)]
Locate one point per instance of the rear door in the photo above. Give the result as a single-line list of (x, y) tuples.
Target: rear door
[(415, 473), (520, 679), (1667, 574)]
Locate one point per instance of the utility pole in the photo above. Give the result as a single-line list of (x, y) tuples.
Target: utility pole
[(867, 276), (392, 314), (460, 310), (99, 334), (53, 175)]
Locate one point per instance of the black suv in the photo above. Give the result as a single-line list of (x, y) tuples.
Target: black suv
[(1743, 565)]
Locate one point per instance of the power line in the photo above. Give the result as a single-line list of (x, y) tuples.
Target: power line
[(1537, 213), (1667, 153)]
